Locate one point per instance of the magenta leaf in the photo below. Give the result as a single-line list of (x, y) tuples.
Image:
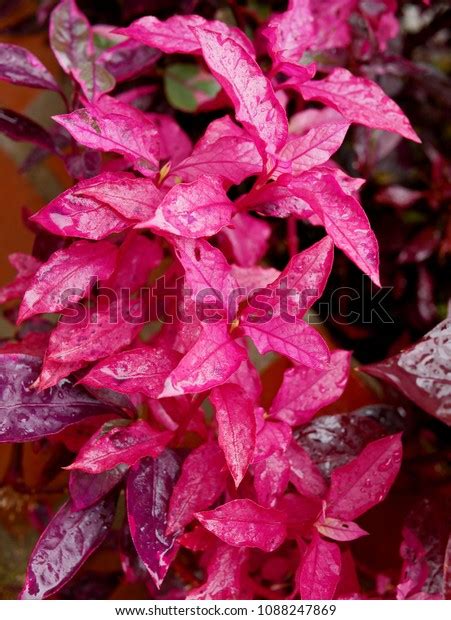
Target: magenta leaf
[(67, 277), (136, 258), (243, 523), (20, 128), (175, 144), (142, 370), (319, 571), (289, 34), (114, 445), (69, 539), (103, 128), (304, 474), (365, 481), (343, 217), (271, 478), (313, 148), (197, 209), (201, 482), (339, 530), (224, 572), (128, 60), (27, 414), (304, 391), (26, 266), (248, 239), (150, 485), (177, 34), (95, 335), (272, 436), (236, 427), (297, 341), (256, 105), (210, 362), (420, 372), (306, 275), (360, 101), (19, 66), (85, 490), (250, 278)]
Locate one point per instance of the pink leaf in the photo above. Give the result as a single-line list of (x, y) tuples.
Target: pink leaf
[(175, 144), (339, 530), (67, 276), (26, 266), (236, 427), (176, 35), (304, 474), (365, 481), (210, 362), (120, 445), (243, 523), (201, 482), (360, 101), (206, 271), (143, 370), (297, 341), (248, 238), (289, 34), (233, 158), (304, 391), (149, 487), (136, 258), (343, 217), (305, 276), (271, 478), (224, 579), (197, 209), (313, 148), (319, 571), (250, 278), (272, 436), (104, 128), (97, 334), (256, 105), (68, 540)]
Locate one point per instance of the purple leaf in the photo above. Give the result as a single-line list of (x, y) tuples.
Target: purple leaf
[(210, 362), (177, 34), (360, 101), (421, 372), (128, 60), (67, 277), (243, 523), (304, 391), (22, 129), (103, 128), (197, 209), (143, 370), (339, 530), (117, 445), (201, 482), (150, 485), (19, 66), (319, 571), (27, 414), (256, 105), (304, 474), (66, 543), (224, 580), (86, 490), (365, 481), (236, 427)]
